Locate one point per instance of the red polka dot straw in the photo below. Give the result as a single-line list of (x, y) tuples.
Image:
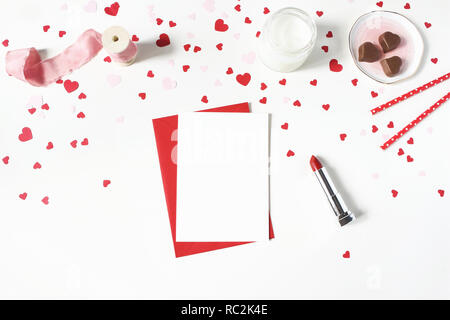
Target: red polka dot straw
[(413, 123), (409, 94)]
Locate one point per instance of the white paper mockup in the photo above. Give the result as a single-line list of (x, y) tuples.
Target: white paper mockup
[(222, 177)]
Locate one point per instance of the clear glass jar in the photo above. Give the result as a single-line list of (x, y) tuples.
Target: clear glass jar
[(287, 39)]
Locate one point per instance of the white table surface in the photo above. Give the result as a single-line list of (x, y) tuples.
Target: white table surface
[(115, 242)]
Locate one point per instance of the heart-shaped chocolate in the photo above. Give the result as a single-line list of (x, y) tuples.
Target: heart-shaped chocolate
[(391, 66), (389, 41), (368, 52)]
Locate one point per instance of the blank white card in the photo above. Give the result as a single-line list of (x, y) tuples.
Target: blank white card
[(222, 177)]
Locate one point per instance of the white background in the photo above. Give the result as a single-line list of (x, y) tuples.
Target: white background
[(115, 242)]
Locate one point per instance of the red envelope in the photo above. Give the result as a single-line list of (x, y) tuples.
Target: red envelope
[(166, 142)]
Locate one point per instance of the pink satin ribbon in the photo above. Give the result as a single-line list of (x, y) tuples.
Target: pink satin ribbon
[(26, 64)]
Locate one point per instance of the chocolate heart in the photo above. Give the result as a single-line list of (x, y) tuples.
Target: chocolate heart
[(391, 66), (368, 52), (389, 41)]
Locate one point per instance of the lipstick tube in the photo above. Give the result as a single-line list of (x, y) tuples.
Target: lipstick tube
[(334, 198)]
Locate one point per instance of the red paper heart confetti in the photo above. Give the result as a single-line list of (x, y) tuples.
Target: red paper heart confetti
[(45, 200), (74, 143), (258, 33), (106, 183), (400, 152), (407, 6), (150, 74), (32, 110), (229, 70), (263, 86), (135, 38), (325, 48), (85, 142), (107, 59), (113, 9), (163, 40), (37, 165), (282, 82), (297, 103), (82, 96), (427, 24), (434, 60), (5, 42), (186, 68), (346, 255), (45, 28), (45, 106), (355, 82), (220, 26), (319, 13), (380, 3), (26, 134), (263, 100), (247, 20), (243, 79), (81, 115), (187, 47), (329, 34), (343, 136), (197, 49), (237, 8), (374, 128), (441, 192), (394, 193), (374, 94), (284, 126), (61, 33), (326, 107), (159, 21), (5, 160), (290, 153), (219, 46), (409, 158), (70, 86), (204, 99), (410, 141), (142, 95), (49, 145), (266, 10), (172, 24), (335, 66), (23, 196), (313, 82), (390, 125)]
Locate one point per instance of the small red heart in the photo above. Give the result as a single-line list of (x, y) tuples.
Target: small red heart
[(390, 125), (85, 142), (335, 66), (266, 10), (219, 46), (142, 95), (374, 94), (427, 25), (243, 79), (313, 82), (263, 86), (113, 9), (26, 134), (326, 107), (62, 34), (374, 128), (282, 82), (410, 141), (434, 60), (290, 153), (163, 40), (346, 255), (394, 193), (197, 49), (229, 70), (380, 3), (258, 33), (5, 42), (32, 110), (135, 38), (343, 136), (187, 47), (37, 165), (82, 96), (247, 20), (23, 196), (237, 8), (407, 6), (49, 145), (70, 86), (441, 192), (159, 21), (45, 106), (329, 34), (45, 28), (74, 143), (5, 160), (220, 25), (325, 48), (106, 183), (45, 200), (284, 126), (205, 99), (150, 74), (355, 82), (400, 152), (409, 158), (186, 68), (81, 115), (263, 100), (297, 103), (319, 13), (107, 59), (172, 24)]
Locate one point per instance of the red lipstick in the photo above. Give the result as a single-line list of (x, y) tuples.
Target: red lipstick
[(333, 196)]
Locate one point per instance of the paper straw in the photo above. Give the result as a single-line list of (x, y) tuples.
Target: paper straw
[(410, 94), (413, 123)]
